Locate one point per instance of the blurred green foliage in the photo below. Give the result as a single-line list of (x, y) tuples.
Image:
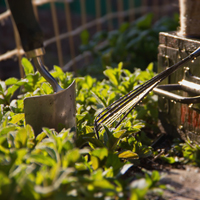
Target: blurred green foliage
[(136, 44)]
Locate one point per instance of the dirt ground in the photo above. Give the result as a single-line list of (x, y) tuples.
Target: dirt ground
[(182, 184)]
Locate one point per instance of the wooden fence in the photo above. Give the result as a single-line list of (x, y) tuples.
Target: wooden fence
[(62, 21)]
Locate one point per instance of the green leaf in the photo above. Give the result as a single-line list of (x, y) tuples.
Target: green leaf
[(72, 155), (111, 74), (85, 37), (40, 137), (2, 101), (101, 153), (2, 87), (21, 138), (89, 129), (80, 166), (128, 155), (11, 90), (89, 81), (47, 89), (120, 65), (124, 27), (11, 81), (103, 184), (119, 134), (58, 72), (28, 67), (99, 98), (150, 67), (113, 161), (4, 150), (16, 118), (41, 159), (110, 140), (145, 21), (94, 162), (7, 129), (155, 176), (94, 143), (145, 152), (170, 160)]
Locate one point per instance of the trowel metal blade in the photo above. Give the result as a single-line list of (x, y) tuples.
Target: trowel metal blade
[(52, 111)]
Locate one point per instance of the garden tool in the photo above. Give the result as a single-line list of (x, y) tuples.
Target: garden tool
[(55, 110), (123, 106)]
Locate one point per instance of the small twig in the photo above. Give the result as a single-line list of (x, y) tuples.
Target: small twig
[(157, 156)]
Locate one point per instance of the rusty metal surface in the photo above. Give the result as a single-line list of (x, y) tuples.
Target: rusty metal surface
[(177, 118)]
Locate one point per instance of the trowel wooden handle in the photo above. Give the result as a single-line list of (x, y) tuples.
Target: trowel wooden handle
[(29, 30)]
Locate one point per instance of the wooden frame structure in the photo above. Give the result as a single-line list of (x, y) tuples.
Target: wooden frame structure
[(159, 8)]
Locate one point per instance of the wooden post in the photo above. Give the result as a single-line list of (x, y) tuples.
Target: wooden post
[(18, 46), (109, 11), (131, 6), (155, 9), (120, 8), (56, 30), (83, 19), (83, 12), (98, 13), (69, 28), (144, 7), (189, 18)]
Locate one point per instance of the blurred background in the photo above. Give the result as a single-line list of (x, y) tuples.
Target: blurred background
[(82, 34)]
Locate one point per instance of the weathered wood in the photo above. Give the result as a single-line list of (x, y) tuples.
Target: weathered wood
[(177, 118), (189, 18)]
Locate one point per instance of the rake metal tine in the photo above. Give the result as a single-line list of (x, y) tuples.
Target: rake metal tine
[(132, 94), (126, 106), (129, 97), (126, 100), (111, 120)]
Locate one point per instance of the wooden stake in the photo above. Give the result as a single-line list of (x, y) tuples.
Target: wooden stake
[(56, 30)]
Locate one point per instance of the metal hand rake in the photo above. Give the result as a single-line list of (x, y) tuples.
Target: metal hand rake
[(124, 105)]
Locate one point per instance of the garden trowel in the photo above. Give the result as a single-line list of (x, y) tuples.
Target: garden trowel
[(55, 110)]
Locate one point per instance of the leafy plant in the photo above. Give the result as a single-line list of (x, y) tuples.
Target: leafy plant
[(54, 165), (133, 44), (58, 165), (191, 153)]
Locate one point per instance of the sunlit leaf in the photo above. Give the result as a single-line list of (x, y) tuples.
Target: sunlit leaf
[(72, 156), (47, 88), (155, 176), (21, 138), (41, 159), (150, 67), (94, 162), (6, 130), (128, 154), (100, 153), (94, 143), (11, 81), (112, 77), (28, 67), (16, 118)]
